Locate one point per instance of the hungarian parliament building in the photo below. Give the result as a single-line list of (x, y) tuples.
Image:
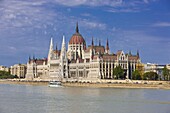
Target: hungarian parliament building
[(80, 62)]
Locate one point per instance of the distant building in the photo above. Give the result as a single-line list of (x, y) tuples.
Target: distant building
[(140, 68), (4, 68), (19, 70), (37, 69), (81, 62), (168, 66), (150, 67)]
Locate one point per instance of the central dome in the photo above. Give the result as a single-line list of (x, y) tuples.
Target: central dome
[(77, 37)]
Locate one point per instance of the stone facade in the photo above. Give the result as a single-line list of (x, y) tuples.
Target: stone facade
[(19, 70), (151, 67), (81, 62), (4, 68)]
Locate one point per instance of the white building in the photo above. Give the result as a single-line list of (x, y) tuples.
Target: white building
[(80, 62), (151, 67), (4, 68), (19, 70)]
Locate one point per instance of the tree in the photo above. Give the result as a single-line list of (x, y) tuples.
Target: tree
[(136, 75), (118, 72), (6, 75), (150, 76), (166, 73)]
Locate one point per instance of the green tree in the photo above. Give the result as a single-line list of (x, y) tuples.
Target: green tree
[(166, 73), (150, 76), (136, 75), (6, 75), (118, 73)]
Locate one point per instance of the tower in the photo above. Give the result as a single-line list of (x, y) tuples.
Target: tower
[(137, 54), (63, 60), (99, 42), (107, 47), (92, 49), (50, 50), (77, 28), (76, 45), (130, 54)]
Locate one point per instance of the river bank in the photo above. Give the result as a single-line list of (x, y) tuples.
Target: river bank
[(101, 83), (117, 85), (24, 82)]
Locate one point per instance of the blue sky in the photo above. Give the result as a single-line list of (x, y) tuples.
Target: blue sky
[(27, 26)]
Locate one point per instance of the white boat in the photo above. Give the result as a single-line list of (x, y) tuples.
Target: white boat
[(54, 84)]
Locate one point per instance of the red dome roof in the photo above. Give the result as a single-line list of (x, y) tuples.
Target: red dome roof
[(77, 39)]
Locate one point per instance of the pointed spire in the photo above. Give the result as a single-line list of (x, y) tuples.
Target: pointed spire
[(130, 53), (63, 40), (99, 42), (137, 53), (77, 28), (92, 43), (56, 47), (29, 60), (107, 45), (63, 48), (51, 43), (50, 49)]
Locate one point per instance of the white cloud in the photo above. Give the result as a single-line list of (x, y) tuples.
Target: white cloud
[(123, 10), (90, 2), (161, 24), (86, 15), (12, 48), (146, 1), (93, 24), (17, 13), (111, 3)]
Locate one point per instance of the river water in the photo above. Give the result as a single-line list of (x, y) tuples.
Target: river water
[(43, 99)]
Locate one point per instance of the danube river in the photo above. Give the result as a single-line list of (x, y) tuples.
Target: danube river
[(43, 99)]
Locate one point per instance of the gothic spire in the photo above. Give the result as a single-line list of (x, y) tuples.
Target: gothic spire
[(50, 49), (63, 42), (51, 44), (56, 47), (130, 53), (29, 59), (92, 43), (92, 49), (99, 42), (107, 45), (63, 48), (77, 28), (137, 53)]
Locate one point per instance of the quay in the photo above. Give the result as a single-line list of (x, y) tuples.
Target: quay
[(97, 83)]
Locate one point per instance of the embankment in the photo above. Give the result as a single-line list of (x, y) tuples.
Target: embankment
[(98, 83), (117, 85)]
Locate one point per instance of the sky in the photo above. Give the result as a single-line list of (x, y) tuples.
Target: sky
[(26, 27)]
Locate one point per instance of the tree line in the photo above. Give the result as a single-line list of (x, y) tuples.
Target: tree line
[(6, 75), (118, 73)]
